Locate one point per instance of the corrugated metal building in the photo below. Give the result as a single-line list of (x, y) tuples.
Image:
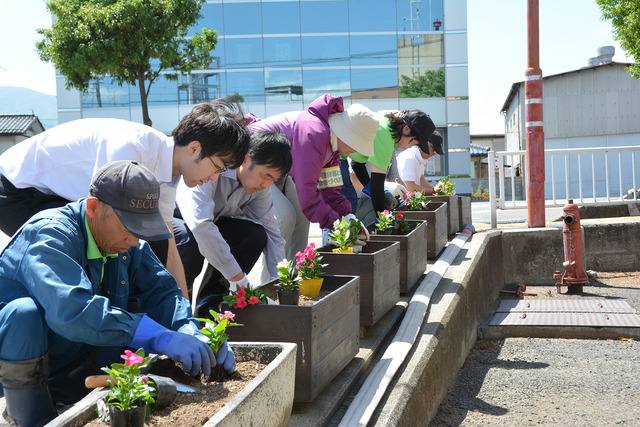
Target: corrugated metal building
[(595, 106)]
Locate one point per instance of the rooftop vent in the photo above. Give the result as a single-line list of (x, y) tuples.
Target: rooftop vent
[(605, 53), (592, 62)]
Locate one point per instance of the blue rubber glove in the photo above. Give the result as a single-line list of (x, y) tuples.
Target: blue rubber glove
[(366, 190), (186, 349), (226, 358)]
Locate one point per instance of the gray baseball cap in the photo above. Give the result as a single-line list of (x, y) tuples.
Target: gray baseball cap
[(133, 192)]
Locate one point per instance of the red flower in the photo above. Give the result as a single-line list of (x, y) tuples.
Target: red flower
[(242, 303), (253, 300), (240, 292), (400, 215)]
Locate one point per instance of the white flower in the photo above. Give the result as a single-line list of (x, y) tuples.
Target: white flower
[(103, 410), (283, 264)]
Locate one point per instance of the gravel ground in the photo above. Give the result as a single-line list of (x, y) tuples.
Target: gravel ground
[(559, 382)]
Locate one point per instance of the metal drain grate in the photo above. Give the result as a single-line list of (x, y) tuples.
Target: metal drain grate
[(566, 312)]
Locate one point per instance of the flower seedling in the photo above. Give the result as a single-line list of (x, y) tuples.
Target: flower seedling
[(385, 221), (242, 297), (346, 234), (287, 278), (401, 223), (444, 187), (308, 263), (127, 384), (415, 200), (215, 328)]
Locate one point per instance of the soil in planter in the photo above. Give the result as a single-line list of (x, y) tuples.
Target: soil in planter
[(195, 409), (306, 301)]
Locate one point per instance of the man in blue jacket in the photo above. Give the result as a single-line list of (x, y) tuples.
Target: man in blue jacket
[(65, 279)]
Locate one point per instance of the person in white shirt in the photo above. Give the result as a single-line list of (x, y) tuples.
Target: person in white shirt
[(412, 160), (231, 221), (55, 167)]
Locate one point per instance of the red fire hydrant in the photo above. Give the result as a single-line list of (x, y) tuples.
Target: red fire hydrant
[(574, 275)]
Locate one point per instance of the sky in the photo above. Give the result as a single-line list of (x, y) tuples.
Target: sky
[(570, 32)]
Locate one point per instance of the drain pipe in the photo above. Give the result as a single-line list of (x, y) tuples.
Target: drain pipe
[(374, 387)]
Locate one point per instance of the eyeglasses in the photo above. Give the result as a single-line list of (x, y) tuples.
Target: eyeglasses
[(218, 169)]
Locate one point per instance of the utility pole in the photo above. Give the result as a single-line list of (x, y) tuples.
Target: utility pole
[(533, 121)]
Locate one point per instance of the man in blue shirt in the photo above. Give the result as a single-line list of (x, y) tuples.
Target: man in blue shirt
[(65, 280)]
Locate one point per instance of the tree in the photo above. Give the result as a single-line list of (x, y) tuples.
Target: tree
[(132, 41), (428, 85), (625, 19)]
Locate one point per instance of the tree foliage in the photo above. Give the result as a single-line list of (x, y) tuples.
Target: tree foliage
[(132, 41), (625, 19), (428, 85)]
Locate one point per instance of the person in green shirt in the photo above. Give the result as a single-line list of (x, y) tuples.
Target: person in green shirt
[(397, 129)]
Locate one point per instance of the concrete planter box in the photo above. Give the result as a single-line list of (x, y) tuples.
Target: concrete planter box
[(453, 211), (435, 214), (465, 211), (327, 332), (378, 266), (413, 252), (266, 400)]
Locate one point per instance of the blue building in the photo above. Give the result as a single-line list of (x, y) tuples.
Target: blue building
[(279, 55)]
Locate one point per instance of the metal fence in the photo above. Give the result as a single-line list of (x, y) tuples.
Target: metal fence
[(585, 175)]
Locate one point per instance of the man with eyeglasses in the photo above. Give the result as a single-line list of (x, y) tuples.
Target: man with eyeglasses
[(231, 221), (399, 130), (55, 167), (411, 164)]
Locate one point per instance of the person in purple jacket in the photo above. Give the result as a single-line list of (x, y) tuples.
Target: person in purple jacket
[(311, 191)]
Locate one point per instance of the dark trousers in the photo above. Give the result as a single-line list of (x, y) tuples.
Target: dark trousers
[(245, 238), (18, 205), (348, 190)]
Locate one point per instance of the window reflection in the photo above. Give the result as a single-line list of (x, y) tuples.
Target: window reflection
[(303, 49), (324, 16), (419, 15), (246, 86), (103, 92), (421, 82), (242, 18), (281, 17), (374, 83), (200, 86), (373, 50), (319, 82), (244, 52), (371, 15), (421, 49), (283, 85), (211, 19), (282, 51), (325, 51)]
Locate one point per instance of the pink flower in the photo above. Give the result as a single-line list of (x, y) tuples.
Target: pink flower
[(240, 293), (253, 300), (242, 303), (400, 215), (310, 253), (229, 316), (131, 358), (144, 379), (385, 212)]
